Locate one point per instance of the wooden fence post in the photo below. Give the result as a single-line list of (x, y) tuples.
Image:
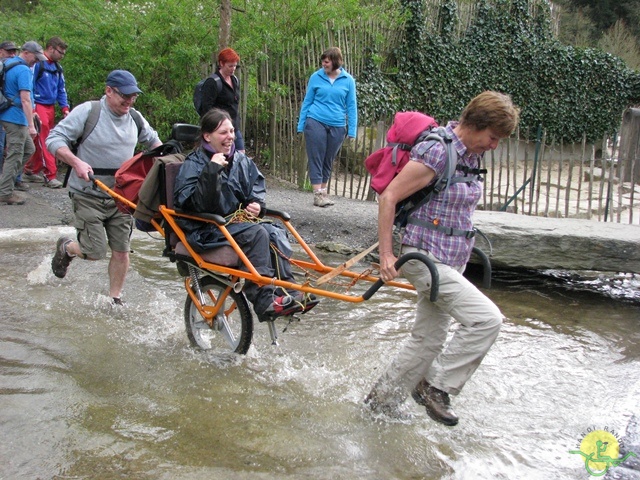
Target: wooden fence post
[(629, 152)]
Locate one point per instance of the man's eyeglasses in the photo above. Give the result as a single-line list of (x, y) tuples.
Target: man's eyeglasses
[(60, 52), (131, 96)]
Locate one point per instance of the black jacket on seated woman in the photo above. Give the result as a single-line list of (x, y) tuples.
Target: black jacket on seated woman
[(215, 178)]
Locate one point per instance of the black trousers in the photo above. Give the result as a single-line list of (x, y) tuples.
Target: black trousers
[(254, 242)]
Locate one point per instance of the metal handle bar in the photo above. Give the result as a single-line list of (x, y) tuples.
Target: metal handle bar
[(435, 277), (486, 267)]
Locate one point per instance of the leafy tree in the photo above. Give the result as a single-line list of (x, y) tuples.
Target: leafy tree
[(167, 45), (605, 13), (577, 29), (508, 47), (619, 41), (590, 19), (7, 6), (602, 12)]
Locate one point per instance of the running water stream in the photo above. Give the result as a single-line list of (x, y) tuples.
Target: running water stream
[(88, 390)]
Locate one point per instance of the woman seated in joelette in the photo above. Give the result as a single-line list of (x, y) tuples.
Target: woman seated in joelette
[(215, 178)]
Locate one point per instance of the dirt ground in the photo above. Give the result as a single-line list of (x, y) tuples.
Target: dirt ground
[(346, 227)]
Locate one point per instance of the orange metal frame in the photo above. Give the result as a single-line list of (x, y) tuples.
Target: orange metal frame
[(311, 263)]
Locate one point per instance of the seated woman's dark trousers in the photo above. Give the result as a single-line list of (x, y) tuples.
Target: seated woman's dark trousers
[(254, 242)]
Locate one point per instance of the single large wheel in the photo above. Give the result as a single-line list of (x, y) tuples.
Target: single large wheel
[(233, 326)]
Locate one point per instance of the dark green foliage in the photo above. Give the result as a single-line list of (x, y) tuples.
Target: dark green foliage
[(377, 96), (604, 13), (163, 54)]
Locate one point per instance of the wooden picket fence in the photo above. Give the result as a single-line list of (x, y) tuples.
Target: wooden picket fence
[(533, 177), (563, 181)]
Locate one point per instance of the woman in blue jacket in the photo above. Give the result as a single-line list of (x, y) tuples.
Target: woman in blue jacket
[(329, 106)]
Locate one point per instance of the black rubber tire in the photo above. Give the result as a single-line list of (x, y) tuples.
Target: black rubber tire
[(234, 330)]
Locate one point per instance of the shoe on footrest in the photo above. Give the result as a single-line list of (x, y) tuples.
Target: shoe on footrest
[(280, 307), (306, 300)]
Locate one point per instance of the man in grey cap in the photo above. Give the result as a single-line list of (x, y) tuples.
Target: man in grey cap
[(17, 120), (49, 89), (34, 48), (99, 223)]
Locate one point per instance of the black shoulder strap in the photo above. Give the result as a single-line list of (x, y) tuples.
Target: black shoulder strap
[(439, 135), (415, 201), (6, 68), (90, 125), (137, 118), (41, 69), (3, 71), (218, 80), (92, 120), (94, 116), (217, 89)]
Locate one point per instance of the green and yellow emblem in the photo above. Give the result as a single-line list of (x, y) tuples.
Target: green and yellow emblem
[(601, 451)]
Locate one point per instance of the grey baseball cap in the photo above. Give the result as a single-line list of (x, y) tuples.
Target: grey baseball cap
[(8, 46), (34, 47)]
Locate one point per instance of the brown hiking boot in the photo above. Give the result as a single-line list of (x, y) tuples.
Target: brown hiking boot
[(32, 177), (436, 402), (61, 259), (13, 199)]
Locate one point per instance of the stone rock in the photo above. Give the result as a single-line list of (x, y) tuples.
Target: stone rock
[(520, 241), (335, 247)]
